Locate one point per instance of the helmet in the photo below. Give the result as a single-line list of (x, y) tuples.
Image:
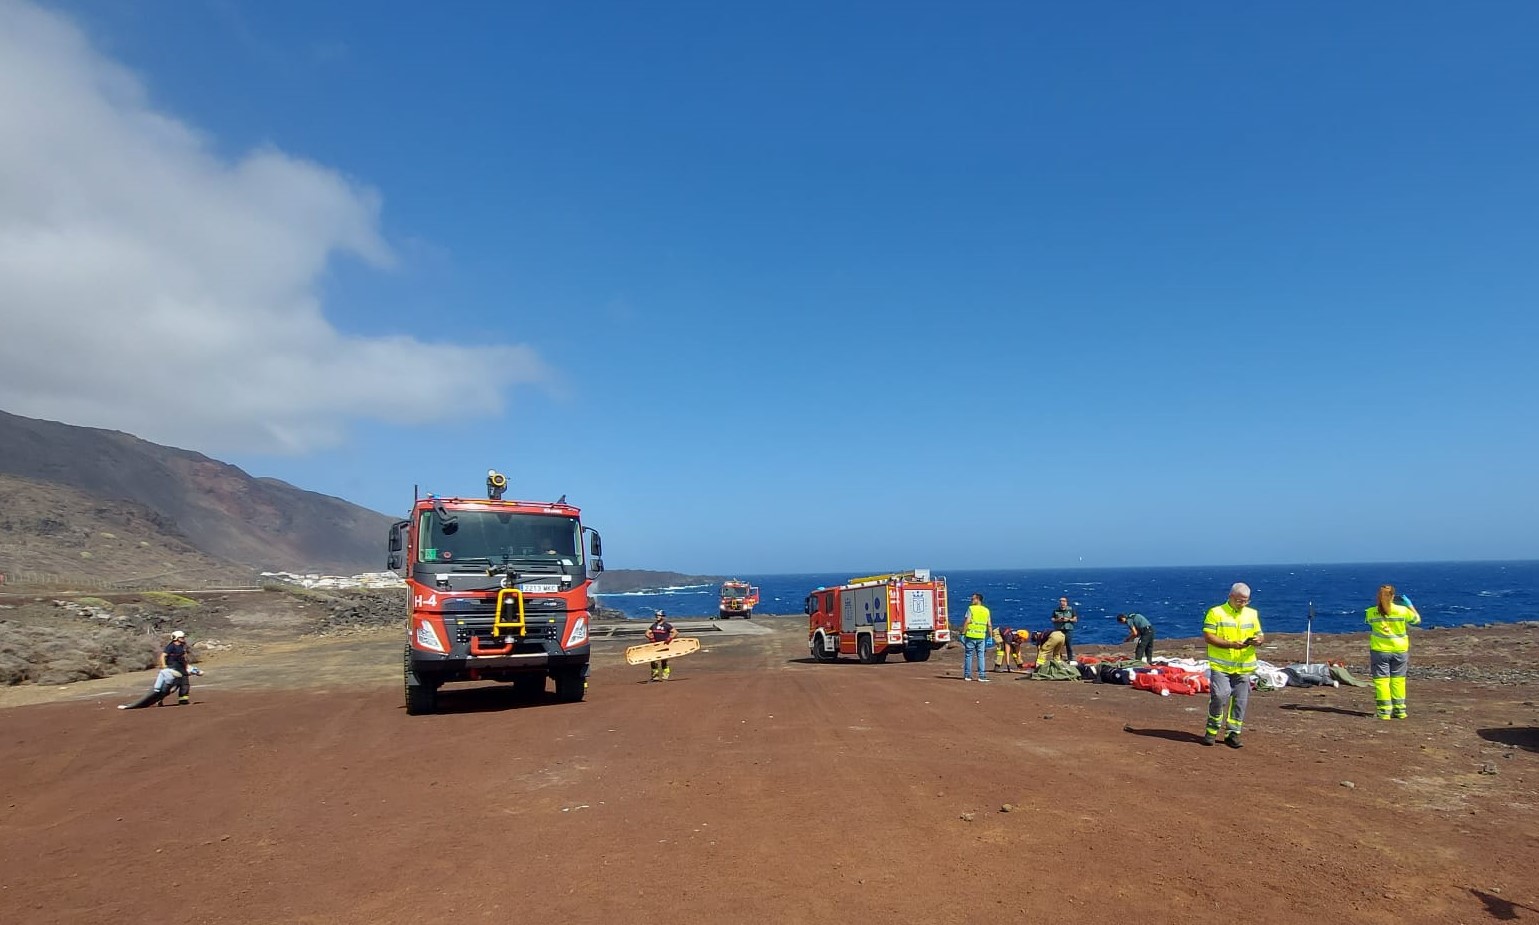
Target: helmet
[(658, 613)]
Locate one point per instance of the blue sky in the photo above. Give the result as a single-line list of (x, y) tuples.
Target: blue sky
[(821, 286)]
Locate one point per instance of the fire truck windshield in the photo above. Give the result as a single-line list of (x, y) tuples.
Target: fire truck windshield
[(497, 537), (736, 593)]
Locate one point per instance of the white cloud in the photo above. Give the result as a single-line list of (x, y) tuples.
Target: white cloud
[(149, 285)]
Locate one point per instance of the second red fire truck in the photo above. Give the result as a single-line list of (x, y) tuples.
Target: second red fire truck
[(738, 599), (875, 616)]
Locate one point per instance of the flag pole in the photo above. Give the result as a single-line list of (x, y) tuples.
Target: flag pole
[(1309, 630)]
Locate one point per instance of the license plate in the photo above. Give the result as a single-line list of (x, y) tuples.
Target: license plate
[(540, 589)]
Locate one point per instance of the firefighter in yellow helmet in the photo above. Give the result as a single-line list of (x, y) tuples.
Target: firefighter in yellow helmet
[(1232, 631), (1389, 651)]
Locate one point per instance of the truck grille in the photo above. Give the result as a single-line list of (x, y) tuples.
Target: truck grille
[(534, 630)]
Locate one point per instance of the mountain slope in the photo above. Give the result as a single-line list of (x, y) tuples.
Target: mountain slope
[(54, 535), (220, 510)]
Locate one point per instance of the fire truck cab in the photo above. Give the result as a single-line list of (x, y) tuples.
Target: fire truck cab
[(874, 616), (497, 590)]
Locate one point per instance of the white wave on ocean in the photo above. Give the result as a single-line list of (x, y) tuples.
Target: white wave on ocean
[(652, 592)]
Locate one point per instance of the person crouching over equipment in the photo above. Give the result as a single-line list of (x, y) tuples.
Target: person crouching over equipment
[(661, 631), (1051, 646), (1007, 649), (166, 681)]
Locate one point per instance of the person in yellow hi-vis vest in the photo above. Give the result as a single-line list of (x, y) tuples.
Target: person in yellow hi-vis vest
[(1389, 651), (1232, 630), (976, 628)]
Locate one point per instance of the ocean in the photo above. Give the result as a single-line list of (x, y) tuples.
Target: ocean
[(1174, 599)]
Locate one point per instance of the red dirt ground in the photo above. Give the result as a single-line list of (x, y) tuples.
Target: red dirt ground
[(758, 787)]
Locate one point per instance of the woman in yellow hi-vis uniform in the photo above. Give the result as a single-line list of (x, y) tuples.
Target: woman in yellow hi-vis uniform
[(1389, 651)]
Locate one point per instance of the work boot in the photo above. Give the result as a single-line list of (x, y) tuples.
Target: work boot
[(1401, 716), (183, 701), (1233, 741), (666, 673), (1209, 739)]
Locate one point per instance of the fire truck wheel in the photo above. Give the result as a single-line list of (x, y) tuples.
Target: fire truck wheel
[(863, 650), (916, 654), (819, 648), (569, 686), (421, 698)]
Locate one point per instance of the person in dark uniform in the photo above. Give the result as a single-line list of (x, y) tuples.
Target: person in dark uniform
[(1141, 629), (1064, 619), (174, 656), (661, 631)]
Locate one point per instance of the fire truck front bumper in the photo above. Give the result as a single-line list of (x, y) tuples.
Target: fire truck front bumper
[(461, 666)]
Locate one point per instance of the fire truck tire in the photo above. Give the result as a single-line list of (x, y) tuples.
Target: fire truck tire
[(421, 699), (916, 654), (863, 650), (569, 685), (820, 651)]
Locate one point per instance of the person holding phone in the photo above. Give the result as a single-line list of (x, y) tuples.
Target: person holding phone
[(1389, 650), (1232, 630)]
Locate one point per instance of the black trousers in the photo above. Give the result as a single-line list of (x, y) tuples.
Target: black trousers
[(1144, 647)]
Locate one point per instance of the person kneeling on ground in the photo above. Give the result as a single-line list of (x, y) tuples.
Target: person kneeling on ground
[(661, 631), (1141, 629)]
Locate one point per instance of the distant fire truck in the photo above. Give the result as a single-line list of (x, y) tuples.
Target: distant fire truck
[(498, 591), (738, 599), (874, 616)]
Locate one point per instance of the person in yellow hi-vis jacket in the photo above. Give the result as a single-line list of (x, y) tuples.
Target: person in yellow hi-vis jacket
[(977, 626), (1389, 651), (1232, 631)]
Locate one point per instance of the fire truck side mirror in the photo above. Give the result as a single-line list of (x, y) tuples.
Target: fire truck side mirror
[(595, 543), (598, 566), (397, 545)]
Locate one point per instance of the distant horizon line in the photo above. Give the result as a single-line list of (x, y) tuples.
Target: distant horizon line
[(1087, 568)]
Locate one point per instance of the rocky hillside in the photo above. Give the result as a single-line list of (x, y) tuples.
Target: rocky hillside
[(216, 509), (56, 536)]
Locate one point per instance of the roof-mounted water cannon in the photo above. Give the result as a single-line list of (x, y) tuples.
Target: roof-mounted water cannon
[(496, 484)]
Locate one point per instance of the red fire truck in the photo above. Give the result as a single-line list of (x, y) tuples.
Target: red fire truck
[(738, 599), (873, 616), (497, 591)]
